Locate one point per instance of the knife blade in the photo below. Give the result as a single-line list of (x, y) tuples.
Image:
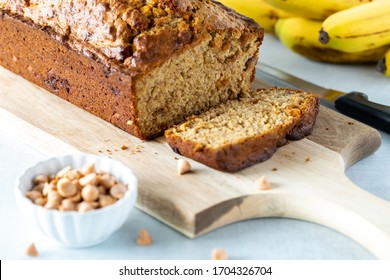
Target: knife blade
[(353, 104)]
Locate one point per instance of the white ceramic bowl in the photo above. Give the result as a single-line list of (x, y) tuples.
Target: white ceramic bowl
[(71, 228)]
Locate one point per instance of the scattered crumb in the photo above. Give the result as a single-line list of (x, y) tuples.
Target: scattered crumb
[(115, 150), (183, 167), (176, 158), (262, 184), (219, 254), (108, 151), (293, 153), (144, 238), (274, 169), (124, 147), (351, 123), (100, 151), (327, 128), (155, 153), (32, 250), (307, 159)]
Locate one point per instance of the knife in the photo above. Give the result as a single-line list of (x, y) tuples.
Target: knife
[(354, 104)]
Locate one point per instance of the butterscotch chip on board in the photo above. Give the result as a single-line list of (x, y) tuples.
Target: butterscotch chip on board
[(262, 184), (183, 167), (219, 254), (144, 238), (32, 250)]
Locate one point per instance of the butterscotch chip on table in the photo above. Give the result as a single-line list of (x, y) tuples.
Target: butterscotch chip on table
[(262, 184), (240, 133), (32, 250), (141, 65), (144, 238), (183, 167), (219, 254)]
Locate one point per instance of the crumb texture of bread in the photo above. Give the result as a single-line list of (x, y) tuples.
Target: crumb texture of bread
[(143, 65), (240, 133)]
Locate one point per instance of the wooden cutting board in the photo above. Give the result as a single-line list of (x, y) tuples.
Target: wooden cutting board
[(307, 176)]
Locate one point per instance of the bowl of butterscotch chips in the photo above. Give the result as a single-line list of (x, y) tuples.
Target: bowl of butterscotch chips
[(77, 200)]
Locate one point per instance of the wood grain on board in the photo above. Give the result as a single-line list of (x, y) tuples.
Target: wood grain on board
[(307, 176)]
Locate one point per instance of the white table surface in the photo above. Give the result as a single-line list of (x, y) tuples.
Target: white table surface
[(270, 238)]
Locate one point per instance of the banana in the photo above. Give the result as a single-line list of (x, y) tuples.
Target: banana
[(301, 36), (261, 12), (315, 9), (359, 28), (383, 65)]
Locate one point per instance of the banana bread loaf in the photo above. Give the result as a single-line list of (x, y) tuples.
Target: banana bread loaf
[(142, 65), (240, 133)]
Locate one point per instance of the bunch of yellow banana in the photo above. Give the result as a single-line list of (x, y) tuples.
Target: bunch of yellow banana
[(301, 36), (338, 31), (263, 13)]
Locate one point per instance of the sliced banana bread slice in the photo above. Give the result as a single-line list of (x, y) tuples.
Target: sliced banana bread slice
[(242, 132)]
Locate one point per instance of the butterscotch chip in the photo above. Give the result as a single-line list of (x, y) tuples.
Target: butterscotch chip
[(89, 179), (183, 166), (54, 195), (144, 238), (39, 187), (76, 197), (90, 193), (262, 183), (40, 201), (48, 187), (52, 204), (107, 180), (63, 171), (105, 200), (40, 179), (219, 254), (102, 190), (33, 195), (85, 207), (88, 168), (72, 175), (67, 205), (66, 188), (32, 250), (118, 191)]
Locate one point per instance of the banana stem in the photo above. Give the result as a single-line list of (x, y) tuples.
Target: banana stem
[(381, 66), (324, 37)]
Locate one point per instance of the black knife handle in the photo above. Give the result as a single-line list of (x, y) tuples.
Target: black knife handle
[(356, 105)]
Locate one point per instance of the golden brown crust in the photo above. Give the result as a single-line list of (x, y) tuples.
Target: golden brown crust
[(251, 150), (138, 34), (97, 71)]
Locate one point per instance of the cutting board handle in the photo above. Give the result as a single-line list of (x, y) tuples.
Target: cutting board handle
[(348, 209), (338, 204)]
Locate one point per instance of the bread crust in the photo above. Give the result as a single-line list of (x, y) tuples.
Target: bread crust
[(95, 87), (248, 151), (102, 80)]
